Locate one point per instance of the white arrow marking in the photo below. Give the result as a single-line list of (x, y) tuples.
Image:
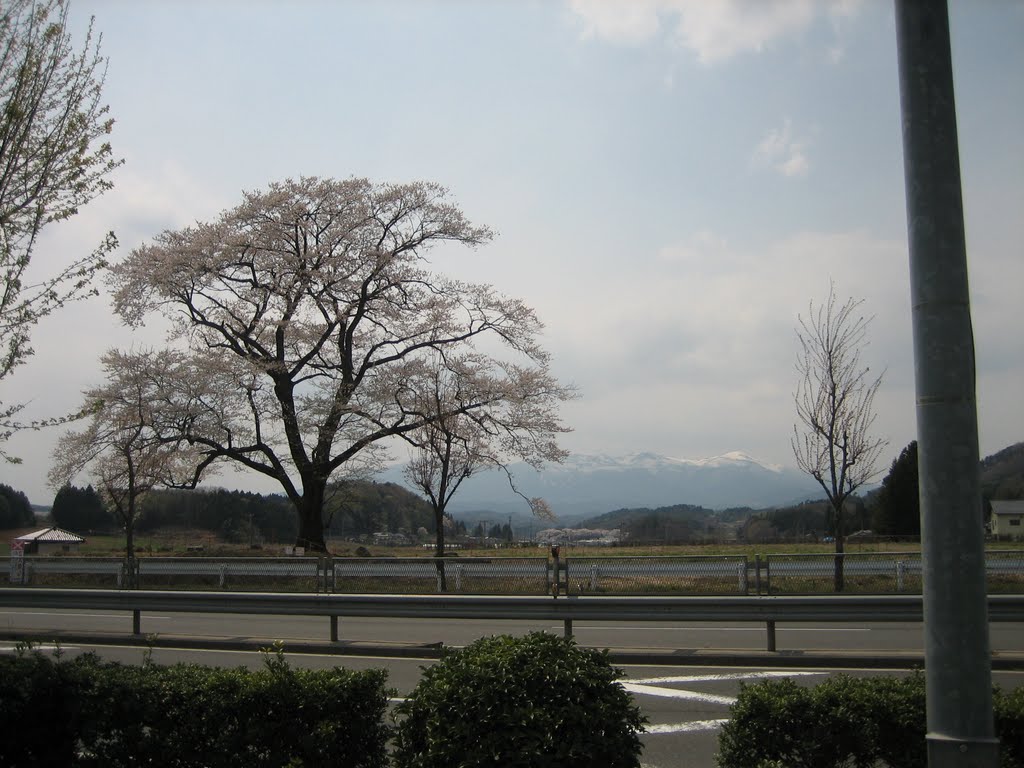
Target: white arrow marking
[(694, 726), (676, 693), (727, 676)]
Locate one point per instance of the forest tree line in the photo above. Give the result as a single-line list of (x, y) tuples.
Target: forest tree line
[(358, 508)]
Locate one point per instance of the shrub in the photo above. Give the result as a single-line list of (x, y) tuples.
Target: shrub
[(87, 712), (536, 701), (846, 722), (37, 721), (1009, 712)]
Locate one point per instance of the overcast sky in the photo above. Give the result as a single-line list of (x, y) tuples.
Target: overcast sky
[(672, 181)]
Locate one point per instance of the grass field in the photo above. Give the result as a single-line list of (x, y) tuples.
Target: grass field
[(189, 543)]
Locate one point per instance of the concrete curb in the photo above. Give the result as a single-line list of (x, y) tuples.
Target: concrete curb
[(682, 657)]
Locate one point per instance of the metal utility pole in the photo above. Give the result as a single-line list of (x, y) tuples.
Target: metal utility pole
[(957, 654)]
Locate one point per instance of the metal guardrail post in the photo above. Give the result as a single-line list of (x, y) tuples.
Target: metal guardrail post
[(320, 582), (757, 573), (558, 566), (325, 583), (556, 570), (128, 574), (771, 636)]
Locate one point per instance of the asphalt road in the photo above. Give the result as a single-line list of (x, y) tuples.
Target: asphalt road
[(686, 707)]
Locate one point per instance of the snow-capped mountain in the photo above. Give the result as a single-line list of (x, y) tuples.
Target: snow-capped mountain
[(648, 460), (588, 484)]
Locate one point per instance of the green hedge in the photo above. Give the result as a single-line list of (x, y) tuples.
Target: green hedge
[(847, 722), (86, 712), (519, 702)]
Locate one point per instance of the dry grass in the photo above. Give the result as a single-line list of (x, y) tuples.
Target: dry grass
[(183, 543)]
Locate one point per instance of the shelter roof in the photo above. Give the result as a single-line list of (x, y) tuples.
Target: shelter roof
[(53, 534)]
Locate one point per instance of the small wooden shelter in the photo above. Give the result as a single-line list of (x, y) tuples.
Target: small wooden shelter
[(49, 541)]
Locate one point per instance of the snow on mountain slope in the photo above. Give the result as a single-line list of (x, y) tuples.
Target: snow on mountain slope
[(591, 484), (646, 460)]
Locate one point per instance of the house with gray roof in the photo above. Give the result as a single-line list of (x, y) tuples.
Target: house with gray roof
[(1008, 519)]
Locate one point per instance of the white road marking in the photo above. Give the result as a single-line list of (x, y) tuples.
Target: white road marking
[(728, 676), (80, 615), (644, 687), (678, 693), (694, 726), (12, 649), (578, 627)]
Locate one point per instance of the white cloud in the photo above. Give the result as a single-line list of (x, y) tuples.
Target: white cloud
[(716, 31), (705, 246), (620, 22), (782, 151), (713, 30)]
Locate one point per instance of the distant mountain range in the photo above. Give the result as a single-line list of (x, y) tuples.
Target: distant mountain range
[(588, 485)]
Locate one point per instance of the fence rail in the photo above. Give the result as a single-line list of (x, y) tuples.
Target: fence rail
[(741, 608), (775, 574)]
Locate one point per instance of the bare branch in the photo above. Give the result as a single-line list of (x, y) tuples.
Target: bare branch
[(832, 439), (478, 416)]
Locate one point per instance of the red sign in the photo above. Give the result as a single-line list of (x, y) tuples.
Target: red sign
[(17, 545)]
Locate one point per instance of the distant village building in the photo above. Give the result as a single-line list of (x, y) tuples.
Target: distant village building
[(49, 541), (1007, 517), (580, 537)]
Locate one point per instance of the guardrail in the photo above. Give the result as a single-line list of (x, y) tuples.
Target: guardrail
[(868, 573), (692, 575), (769, 610), (795, 574)]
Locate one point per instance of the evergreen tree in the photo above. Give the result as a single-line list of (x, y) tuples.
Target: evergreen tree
[(80, 509), (6, 516), (897, 508), (16, 511)]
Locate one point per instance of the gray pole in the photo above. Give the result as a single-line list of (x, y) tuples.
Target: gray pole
[(957, 655)]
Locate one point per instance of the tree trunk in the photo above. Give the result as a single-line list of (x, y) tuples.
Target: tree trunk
[(840, 549), (442, 578), (129, 554), (310, 510)]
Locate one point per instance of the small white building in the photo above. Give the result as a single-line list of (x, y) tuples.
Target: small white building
[(49, 541), (1008, 519)]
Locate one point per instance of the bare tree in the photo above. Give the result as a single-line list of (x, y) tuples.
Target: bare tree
[(835, 393), (119, 448), (517, 420), (307, 311), (53, 160)]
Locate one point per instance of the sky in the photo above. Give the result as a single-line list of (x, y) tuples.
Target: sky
[(672, 182)]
